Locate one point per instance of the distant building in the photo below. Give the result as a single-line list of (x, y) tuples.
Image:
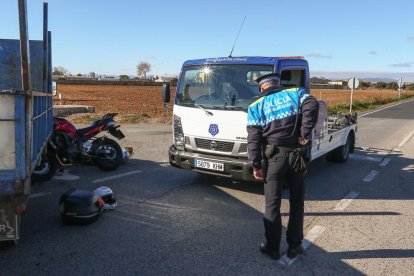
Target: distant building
[(338, 82), (108, 77), (315, 80), (322, 83)]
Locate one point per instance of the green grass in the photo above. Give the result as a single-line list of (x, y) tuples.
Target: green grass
[(360, 106)]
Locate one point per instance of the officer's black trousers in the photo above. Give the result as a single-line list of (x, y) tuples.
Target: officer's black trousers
[(280, 173)]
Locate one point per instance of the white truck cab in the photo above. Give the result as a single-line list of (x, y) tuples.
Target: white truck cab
[(210, 114)]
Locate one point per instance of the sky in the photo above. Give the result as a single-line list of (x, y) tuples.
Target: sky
[(338, 38)]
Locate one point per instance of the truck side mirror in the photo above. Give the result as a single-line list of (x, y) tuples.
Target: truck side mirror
[(166, 93)]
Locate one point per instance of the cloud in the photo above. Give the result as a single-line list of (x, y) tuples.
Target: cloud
[(372, 52), (404, 64), (411, 37), (318, 55)]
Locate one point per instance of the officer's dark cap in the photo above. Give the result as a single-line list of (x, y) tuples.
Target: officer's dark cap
[(267, 78)]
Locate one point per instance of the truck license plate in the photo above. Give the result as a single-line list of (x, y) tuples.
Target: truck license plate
[(209, 165)]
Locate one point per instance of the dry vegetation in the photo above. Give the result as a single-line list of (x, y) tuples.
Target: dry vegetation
[(340, 97), (143, 104)]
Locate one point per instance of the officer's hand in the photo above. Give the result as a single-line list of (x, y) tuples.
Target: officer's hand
[(258, 175), (302, 141)]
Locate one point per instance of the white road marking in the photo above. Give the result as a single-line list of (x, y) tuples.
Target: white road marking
[(405, 140), (134, 220), (346, 201), (65, 176), (310, 238), (365, 158), (409, 168), (39, 195), (384, 108), (115, 176), (385, 162), (370, 176)]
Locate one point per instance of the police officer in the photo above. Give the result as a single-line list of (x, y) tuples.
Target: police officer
[(279, 123)]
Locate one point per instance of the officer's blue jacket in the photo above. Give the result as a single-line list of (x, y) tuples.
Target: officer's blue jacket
[(271, 120)]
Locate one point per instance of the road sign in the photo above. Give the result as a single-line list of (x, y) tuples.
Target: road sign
[(353, 83), (400, 83)]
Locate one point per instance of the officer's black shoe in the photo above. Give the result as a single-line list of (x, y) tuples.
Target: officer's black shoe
[(293, 252), (265, 248)]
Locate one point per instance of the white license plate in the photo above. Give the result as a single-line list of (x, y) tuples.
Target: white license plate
[(209, 165)]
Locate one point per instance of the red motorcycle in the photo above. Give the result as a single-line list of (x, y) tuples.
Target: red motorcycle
[(69, 145)]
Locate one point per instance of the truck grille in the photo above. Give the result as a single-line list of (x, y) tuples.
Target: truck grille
[(214, 145), (243, 147)]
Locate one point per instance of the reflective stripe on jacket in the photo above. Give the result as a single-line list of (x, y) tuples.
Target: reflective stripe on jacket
[(271, 119)]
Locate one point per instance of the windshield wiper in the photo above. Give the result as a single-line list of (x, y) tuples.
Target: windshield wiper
[(209, 113), (235, 107)]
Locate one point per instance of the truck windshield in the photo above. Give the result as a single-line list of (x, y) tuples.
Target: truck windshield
[(229, 86)]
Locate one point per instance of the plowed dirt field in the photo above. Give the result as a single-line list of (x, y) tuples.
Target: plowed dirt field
[(135, 104), (143, 104)]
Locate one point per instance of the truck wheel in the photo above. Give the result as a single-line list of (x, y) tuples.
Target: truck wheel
[(342, 153), (330, 156)]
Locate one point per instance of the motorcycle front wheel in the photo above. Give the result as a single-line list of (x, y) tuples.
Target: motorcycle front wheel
[(108, 154)]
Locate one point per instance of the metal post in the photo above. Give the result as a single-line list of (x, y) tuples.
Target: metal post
[(49, 60), (400, 84), (24, 46), (352, 92), (26, 86), (45, 49), (49, 84)]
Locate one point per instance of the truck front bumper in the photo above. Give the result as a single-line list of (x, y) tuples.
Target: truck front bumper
[(237, 169)]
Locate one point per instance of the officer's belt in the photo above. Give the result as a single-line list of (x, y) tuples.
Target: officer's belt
[(287, 142)]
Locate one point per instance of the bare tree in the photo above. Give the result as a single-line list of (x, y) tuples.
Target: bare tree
[(142, 68), (60, 71)]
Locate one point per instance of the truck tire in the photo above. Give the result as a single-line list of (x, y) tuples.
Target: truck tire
[(330, 156), (340, 154)]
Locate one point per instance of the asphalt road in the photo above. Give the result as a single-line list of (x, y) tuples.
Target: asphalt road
[(359, 214)]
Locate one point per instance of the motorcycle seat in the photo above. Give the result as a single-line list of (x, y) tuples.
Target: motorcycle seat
[(83, 131)]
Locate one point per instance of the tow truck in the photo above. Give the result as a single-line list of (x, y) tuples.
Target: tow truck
[(210, 114)]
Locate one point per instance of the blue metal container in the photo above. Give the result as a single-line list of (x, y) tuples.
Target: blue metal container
[(26, 123), (14, 176)]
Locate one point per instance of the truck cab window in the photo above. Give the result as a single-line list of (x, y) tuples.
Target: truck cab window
[(293, 78), (220, 86)]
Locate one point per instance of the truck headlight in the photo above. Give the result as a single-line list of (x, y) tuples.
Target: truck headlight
[(178, 133)]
